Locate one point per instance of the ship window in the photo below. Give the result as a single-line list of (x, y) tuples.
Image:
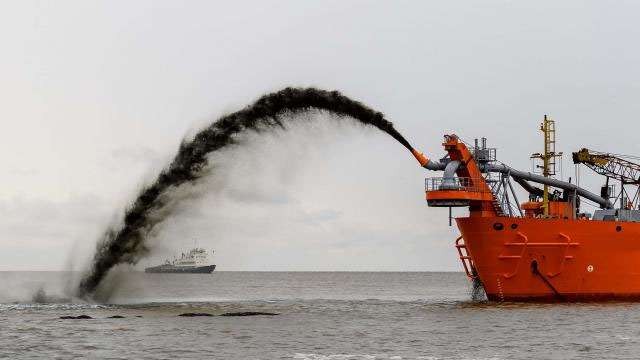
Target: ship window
[(618, 228), (498, 226), (514, 226)]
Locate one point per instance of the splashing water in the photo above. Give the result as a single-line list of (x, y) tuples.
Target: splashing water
[(477, 290), (125, 243)]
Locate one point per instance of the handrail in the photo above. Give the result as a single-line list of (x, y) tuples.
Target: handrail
[(456, 184)]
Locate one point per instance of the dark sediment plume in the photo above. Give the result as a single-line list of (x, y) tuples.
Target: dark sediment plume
[(125, 243), (110, 283), (41, 297)]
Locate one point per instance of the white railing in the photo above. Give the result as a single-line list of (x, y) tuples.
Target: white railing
[(455, 184)]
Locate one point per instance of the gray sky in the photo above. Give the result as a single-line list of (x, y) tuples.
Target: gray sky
[(95, 97)]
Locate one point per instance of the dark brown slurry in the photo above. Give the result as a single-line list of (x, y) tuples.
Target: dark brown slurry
[(125, 243)]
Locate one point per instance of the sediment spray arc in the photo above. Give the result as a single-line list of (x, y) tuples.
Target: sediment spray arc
[(125, 243)]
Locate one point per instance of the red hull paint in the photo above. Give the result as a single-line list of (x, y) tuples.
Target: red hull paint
[(581, 260)]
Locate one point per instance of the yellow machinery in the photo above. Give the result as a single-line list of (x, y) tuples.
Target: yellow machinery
[(612, 166)]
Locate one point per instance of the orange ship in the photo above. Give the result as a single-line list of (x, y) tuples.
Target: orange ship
[(544, 249)]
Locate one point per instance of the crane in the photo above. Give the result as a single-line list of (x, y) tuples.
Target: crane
[(612, 166)]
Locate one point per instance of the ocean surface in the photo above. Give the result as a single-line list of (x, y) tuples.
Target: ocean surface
[(322, 315)]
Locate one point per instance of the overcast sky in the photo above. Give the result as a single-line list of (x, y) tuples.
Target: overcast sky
[(96, 96)]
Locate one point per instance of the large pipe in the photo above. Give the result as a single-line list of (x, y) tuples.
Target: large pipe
[(604, 203), (426, 163), (528, 187), (516, 174), (449, 179)]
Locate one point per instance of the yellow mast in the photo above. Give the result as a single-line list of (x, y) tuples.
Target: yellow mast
[(548, 128), (545, 162)]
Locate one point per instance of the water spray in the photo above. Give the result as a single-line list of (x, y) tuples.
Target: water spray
[(126, 243)]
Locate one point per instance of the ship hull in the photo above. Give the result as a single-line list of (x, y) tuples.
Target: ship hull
[(170, 269), (530, 259)]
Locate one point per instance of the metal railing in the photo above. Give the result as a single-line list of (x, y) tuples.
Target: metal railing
[(484, 155), (455, 184)]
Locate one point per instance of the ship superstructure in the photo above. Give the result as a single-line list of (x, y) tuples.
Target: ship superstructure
[(193, 261), (545, 248)]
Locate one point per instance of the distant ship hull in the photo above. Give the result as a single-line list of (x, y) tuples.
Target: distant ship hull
[(171, 269)]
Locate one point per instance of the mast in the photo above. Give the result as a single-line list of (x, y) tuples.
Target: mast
[(548, 157)]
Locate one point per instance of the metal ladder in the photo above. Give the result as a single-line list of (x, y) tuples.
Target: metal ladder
[(467, 262), (497, 208)]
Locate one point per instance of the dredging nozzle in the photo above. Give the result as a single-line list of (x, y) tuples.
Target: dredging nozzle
[(423, 160)]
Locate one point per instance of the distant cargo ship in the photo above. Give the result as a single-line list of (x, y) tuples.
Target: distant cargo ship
[(193, 262)]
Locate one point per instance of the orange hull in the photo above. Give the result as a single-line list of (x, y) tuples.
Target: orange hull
[(532, 259)]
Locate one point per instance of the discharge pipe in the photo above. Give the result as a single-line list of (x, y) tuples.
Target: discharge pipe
[(528, 187), (426, 163), (449, 179), (516, 174)]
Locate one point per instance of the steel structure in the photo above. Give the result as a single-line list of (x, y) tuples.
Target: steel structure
[(549, 157), (544, 248), (609, 165), (614, 167)]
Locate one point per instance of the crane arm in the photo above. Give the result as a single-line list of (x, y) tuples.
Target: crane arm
[(609, 165)]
